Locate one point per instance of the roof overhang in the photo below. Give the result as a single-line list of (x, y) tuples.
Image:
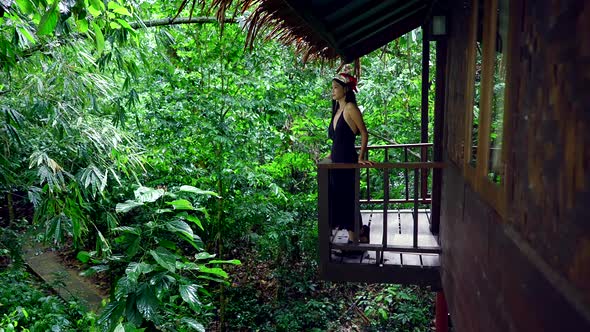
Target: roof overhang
[(357, 27)]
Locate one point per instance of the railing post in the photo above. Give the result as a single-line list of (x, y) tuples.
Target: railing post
[(416, 184), (357, 204), (368, 170), (385, 208), (324, 218), (406, 174)]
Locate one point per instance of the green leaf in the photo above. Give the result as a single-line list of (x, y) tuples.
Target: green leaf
[(213, 270), (26, 6), (127, 206), (181, 204), (132, 315), (114, 25), (111, 313), (189, 294), (233, 261), (165, 258), (83, 256), (194, 219), (82, 25), (93, 11), (119, 328), (167, 244), (203, 255), (127, 229), (195, 190), (25, 32), (99, 37), (116, 8), (95, 269), (147, 303), (96, 7), (135, 269), (179, 226), (145, 194), (124, 24), (193, 324), (48, 21)]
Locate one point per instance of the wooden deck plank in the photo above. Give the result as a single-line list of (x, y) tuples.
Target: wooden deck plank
[(400, 230)]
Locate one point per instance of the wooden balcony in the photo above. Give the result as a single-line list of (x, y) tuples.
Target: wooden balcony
[(396, 203)]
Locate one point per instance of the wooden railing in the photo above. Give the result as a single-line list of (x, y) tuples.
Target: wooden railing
[(405, 153), (413, 196)]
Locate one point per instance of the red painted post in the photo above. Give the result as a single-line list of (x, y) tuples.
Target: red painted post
[(441, 317)]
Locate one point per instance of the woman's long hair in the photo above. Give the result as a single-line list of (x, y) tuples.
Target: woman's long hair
[(349, 97)]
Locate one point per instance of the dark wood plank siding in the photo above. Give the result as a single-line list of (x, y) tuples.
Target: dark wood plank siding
[(550, 159), (456, 76), (531, 270)]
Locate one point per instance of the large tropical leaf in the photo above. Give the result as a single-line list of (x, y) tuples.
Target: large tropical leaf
[(195, 190), (189, 294), (145, 194), (146, 302), (165, 258), (179, 226), (181, 204), (127, 206)]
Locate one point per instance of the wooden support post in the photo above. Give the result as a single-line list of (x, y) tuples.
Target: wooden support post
[(442, 315), (439, 104), (385, 207), (324, 231), (424, 113)]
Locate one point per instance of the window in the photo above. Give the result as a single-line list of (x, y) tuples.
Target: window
[(488, 79)]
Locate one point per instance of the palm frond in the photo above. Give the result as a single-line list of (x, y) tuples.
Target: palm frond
[(278, 21)]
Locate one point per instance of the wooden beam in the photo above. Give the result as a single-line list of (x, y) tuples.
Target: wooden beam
[(389, 248), (371, 273)]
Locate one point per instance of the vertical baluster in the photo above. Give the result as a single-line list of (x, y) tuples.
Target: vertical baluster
[(416, 184), (357, 205), (406, 174), (385, 207), (368, 180)]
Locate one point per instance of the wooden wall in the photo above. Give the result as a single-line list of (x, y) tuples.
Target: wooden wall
[(529, 271)]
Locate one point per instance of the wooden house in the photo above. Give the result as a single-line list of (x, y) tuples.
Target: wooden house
[(504, 229)]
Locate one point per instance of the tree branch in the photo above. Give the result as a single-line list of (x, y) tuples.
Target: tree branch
[(181, 20), (135, 25)]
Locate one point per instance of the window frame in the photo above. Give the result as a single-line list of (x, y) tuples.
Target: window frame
[(492, 193)]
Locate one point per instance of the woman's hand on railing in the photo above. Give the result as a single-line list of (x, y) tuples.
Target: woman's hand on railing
[(365, 162)]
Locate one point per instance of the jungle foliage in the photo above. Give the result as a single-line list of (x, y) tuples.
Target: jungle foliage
[(183, 166)]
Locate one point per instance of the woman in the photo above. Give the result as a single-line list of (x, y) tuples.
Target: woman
[(347, 122)]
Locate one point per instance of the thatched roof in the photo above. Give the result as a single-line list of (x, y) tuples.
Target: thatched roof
[(329, 29)]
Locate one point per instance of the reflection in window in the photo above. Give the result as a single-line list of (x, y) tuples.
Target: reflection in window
[(495, 166), (476, 88)]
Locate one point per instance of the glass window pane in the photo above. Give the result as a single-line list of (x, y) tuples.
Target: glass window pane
[(496, 165)]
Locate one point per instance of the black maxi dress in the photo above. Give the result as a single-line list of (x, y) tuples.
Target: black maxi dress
[(342, 181)]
